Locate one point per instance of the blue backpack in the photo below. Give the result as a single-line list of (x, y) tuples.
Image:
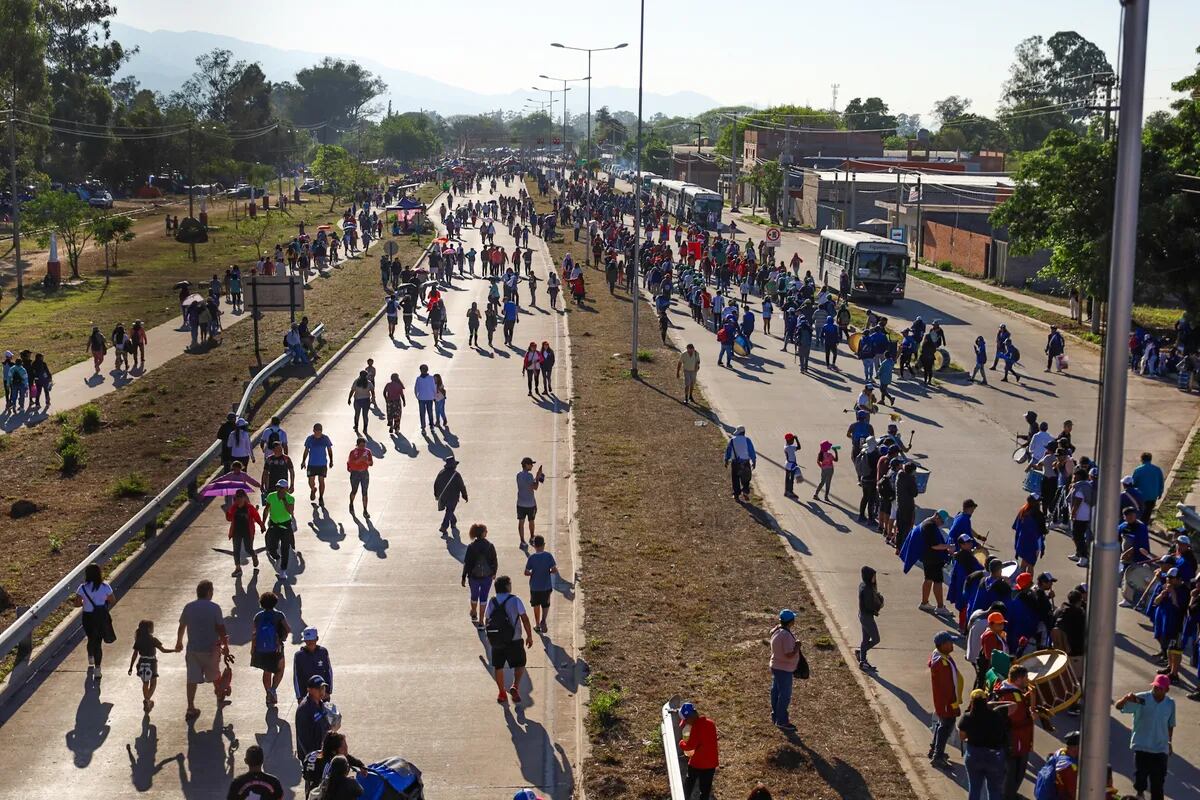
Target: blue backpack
[(266, 629), (1045, 786)]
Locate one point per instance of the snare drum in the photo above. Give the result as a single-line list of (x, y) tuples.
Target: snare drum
[(1137, 578), (1054, 683), (1033, 482), (1009, 572)]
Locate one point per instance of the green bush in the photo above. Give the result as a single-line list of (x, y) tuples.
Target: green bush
[(55, 545), (71, 458), (645, 356), (602, 710), (132, 485), (89, 418)]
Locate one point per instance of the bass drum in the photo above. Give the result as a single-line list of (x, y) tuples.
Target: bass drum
[(854, 342), (1137, 579), (1055, 685), (1021, 454)]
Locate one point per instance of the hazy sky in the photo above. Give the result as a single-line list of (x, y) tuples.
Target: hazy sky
[(760, 52)]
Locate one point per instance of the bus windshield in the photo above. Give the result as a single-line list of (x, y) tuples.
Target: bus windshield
[(888, 266)]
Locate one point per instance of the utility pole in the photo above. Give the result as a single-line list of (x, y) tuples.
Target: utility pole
[(635, 272), (733, 200), (899, 198), (1106, 549), (835, 87), (853, 201), (1108, 82), (192, 188), (920, 235), (16, 195)]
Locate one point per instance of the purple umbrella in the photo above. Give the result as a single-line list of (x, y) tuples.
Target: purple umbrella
[(228, 485)]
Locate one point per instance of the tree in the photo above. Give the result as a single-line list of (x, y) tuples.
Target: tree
[(333, 90), (951, 108), (961, 130), (767, 178), (908, 124), (409, 137), (609, 128), (343, 174), (65, 214), (110, 232), (22, 81), (776, 116), (868, 115), (253, 231)]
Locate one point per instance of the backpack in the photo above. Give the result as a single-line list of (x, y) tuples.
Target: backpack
[(723, 335), (1045, 786), (499, 628), (266, 629)]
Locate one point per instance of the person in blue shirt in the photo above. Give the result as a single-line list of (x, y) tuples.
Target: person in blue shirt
[(1030, 527), (980, 360), (961, 524), (509, 317), (748, 325), (1134, 536), (883, 373), (540, 568), (1002, 338), (1153, 727), (858, 432), (1149, 482), (726, 336), (741, 460), (830, 334), (317, 456), (803, 335)]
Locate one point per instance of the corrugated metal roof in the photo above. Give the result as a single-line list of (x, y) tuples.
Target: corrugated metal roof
[(909, 178)]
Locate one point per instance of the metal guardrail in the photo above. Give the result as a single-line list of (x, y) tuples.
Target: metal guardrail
[(1189, 516), (670, 742), (19, 635)]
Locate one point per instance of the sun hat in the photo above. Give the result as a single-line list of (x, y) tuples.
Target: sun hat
[(995, 618), (787, 615)]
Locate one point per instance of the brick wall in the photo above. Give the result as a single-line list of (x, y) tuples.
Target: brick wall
[(966, 250)]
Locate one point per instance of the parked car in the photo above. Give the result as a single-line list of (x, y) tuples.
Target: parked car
[(100, 199), (312, 187)]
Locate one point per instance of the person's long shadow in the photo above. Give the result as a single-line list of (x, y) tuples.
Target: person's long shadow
[(120, 378), (551, 403), (91, 724), (291, 605), (209, 764), (377, 448), (532, 746), (909, 414), (404, 446), (93, 380), (369, 535), (143, 751), (437, 448), (838, 384), (814, 506), (240, 620), (277, 745), (326, 529), (566, 670), (455, 546)]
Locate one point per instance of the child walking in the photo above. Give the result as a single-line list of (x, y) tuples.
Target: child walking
[(145, 657), (540, 569)]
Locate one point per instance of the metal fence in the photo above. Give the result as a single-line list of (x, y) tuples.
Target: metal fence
[(19, 635), (670, 742)]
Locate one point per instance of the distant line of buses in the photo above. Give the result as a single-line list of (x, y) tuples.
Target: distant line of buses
[(860, 265)]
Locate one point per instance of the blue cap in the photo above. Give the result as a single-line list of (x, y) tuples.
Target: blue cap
[(687, 710), (943, 515), (316, 682), (941, 637), (526, 794), (787, 615)]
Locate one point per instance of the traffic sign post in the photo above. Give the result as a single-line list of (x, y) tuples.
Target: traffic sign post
[(274, 293), (391, 248), (773, 236)]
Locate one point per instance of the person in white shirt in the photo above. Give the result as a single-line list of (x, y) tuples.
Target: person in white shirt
[(96, 598), (240, 446), (1040, 441), (425, 390), (271, 434)]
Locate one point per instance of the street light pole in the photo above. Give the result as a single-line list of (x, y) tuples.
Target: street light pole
[(565, 81), (1102, 600), (589, 51), (634, 289)]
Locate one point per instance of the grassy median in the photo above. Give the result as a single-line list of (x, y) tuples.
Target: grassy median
[(682, 585), (132, 443)]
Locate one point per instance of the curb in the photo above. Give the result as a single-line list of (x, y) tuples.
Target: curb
[(68, 632)]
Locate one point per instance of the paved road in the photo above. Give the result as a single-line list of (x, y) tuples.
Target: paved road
[(963, 433), (80, 383), (384, 593)]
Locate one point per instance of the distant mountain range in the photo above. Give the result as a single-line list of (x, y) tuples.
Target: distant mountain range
[(165, 59)]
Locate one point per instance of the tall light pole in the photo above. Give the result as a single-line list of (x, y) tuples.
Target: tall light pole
[(565, 81), (634, 288), (589, 51), (1102, 601)]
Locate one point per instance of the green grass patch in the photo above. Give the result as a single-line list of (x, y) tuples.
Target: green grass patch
[(132, 485), (645, 356), (1181, 483), (89, 418), (602, 710)]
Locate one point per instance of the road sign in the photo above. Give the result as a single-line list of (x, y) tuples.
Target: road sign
[(391, 248), (276, 293), (773, 236), (898, 235)]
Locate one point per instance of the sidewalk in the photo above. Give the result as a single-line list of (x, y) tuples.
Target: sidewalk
[(79, 383), (384, 593)]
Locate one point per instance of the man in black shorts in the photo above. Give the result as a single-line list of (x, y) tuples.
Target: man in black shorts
[(504, 635), (277, 466), (933, 560), (254, 783)]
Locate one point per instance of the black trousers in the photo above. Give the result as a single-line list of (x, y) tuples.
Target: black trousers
[(702, 778), (93, 627), (739, 476), (1149, 771)]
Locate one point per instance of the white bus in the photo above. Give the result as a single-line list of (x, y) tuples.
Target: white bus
[(688, 202), (863, 266)]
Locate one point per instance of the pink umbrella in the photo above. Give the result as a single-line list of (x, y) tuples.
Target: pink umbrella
[(229, 484)]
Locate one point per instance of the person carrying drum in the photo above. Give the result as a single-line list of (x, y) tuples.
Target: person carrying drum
[(1015, 698)]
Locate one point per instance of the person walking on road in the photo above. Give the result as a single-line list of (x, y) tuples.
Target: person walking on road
[(688, 365), (826, 458), (358, 463), (96, 598), (480, 566), (699, 743), (474, 315), (360, 398), (242, 517), (448, 488), (311, 659), (870, 603), (146, 647), (318, 455), (313, 719), (280, 538), (547, 367), (1153, 728), (207, 643), (1055, 347), (439, 403), (1149, 483), (741, 460), (984, 730), (980, 360), (505, 617), (97, 346), (791, 467), (785, 657), (540, 568), (528, 482), (393, 401), (270, 630), (531, 366), (509, 312), (947, 683), (425, 390)]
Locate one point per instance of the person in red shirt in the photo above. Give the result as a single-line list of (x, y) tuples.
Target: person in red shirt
[(1016, 698), (699, 744), (993, 639), (242, 516), (358, 463), (947, 684)]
